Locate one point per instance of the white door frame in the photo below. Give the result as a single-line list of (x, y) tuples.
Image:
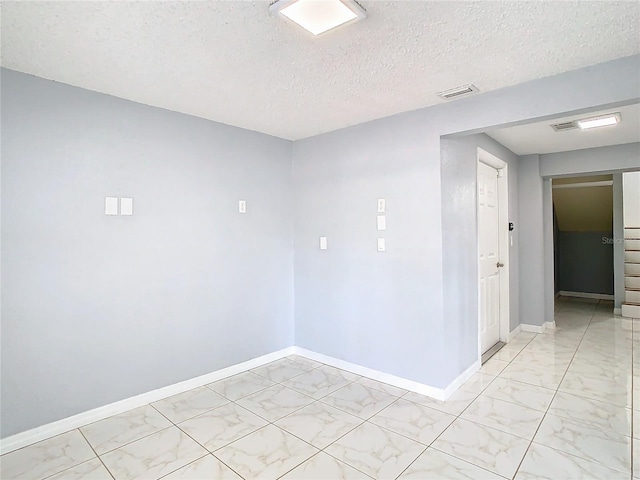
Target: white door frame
[(503, 238)]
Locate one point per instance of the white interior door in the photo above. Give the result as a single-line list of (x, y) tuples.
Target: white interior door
[(488, 251)]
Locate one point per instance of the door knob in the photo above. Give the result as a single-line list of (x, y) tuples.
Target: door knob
[(499, 265)]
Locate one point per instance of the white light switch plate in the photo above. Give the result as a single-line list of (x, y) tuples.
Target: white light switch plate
[(382, 222), (126, 206), (381, 245), (323, 243), (242, 206), (110, 205), (382, 205)]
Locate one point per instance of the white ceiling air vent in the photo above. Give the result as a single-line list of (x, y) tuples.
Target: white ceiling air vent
[(564, 126), (458, 92)]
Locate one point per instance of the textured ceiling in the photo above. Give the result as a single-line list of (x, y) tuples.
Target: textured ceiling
[(539, 137), (233, 62)]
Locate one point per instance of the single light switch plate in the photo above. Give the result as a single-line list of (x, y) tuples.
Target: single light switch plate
[(110, 205), (126, 206), (382, 222), (323, 243), (382, 205), (242, 206), (381, 245)]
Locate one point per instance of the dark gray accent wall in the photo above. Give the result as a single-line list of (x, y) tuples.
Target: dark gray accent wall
[(95, 308), (585, 262)]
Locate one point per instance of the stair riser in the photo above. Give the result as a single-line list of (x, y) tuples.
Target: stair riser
[(632, 232), (632, 282), (633, 244), (631, 256), (631, 311), (632, 296), (632, 268)]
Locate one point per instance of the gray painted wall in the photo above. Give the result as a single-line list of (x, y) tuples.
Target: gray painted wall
[(194, 284), (386, 310), (616, 158), (618, 236), (532, 252), (95, 308), (586, 262), (460, 261)]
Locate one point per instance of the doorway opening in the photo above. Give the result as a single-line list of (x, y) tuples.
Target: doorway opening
[(583, 237), (493, 253)]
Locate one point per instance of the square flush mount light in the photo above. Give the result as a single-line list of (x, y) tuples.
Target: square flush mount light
[(319, 16), (599, 121)]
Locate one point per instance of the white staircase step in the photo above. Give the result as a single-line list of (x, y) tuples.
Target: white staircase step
[(632, 244), (632, 296), (632, 232), (630, 311), (631, 282), (632, 256), (632, 268)]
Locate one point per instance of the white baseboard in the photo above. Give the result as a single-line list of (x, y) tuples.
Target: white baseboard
[(400, 382), (598, 296), (514, 332), (463, 377), (43, 432), (544, 328)]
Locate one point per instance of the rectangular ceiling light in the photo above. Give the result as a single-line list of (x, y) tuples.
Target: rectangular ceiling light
[(319, 16), (599, 121)]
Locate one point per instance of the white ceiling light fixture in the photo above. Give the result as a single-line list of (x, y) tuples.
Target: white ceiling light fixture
[(319, 16), (599, 121)]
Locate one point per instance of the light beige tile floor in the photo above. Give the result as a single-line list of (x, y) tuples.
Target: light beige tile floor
[(558, 405)]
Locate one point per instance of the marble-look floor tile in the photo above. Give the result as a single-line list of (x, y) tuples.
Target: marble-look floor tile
[(478, 382), (592, 412), (547, 377), (319, 424), (508, 352), (324, 467), (267, 453), (620, 372), (544, 463), (316, 383), (436, 465), (359, 400), (454, 405), (636, 423), (239, 386), (352, 377), (607, 448), (375, 451), (597, 388), (543, 359), (91, 470), (275, 402), (383, 387), (183, 406), (304, 361), (493, 367), (415, 421), (46, 458), (504, 416), (113, 432), (153, 456), (281, 370), (208, 467), (519, 393), (221, 426), (485, 447)]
